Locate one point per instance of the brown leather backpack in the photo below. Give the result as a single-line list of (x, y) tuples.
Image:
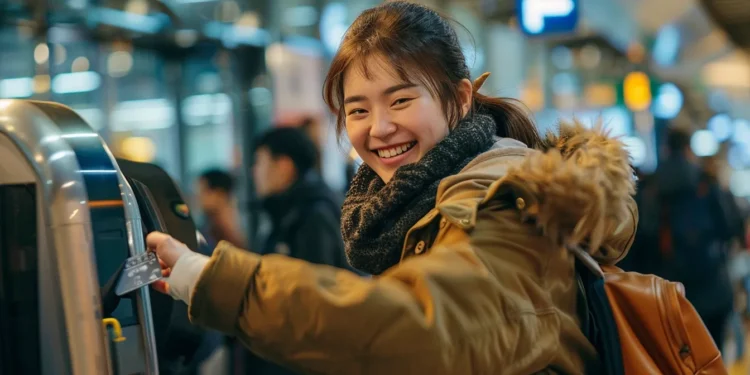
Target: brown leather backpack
[(642, 324)]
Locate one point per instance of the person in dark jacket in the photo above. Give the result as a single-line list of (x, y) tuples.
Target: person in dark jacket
[(644, 256), (693, 232), (219, 207), (304, 213)]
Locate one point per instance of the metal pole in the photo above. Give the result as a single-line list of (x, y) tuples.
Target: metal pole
[(249, 63), (175, 80)]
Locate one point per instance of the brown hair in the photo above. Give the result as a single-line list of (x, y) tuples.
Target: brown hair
[(419, 44)]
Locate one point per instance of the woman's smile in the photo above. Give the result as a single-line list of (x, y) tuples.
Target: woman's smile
[(395, 155)]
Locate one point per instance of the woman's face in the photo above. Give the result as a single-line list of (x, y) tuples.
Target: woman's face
[(391, 122)]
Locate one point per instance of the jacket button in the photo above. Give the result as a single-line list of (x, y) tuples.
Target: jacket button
[(465, 221), (443, 223), (420, 247), (520, 203)]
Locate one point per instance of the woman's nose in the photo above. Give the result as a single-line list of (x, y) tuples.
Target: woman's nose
[(382, 126)]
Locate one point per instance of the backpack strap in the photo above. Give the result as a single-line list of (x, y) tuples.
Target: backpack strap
[(588, 322), (583, 308), (586, 260), (596, 316), (585, 266)]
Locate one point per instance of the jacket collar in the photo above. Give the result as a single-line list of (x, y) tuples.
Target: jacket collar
[(577, 187)]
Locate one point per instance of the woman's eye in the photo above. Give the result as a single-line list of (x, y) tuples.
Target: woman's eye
[(357, 111), (401, 101)]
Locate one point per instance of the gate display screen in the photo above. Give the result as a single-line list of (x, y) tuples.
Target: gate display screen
[(19, 281)]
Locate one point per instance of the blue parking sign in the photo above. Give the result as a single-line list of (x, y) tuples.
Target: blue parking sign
[(538, 17)]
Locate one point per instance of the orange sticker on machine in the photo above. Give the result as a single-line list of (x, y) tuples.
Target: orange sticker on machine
[(182, 210)]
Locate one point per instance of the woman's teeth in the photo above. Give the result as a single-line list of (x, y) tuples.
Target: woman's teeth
[(395, 151)]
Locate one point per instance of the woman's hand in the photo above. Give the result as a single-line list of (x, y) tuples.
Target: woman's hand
[(169, 250)]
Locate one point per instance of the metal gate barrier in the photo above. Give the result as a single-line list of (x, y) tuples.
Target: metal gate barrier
[(68, 221)]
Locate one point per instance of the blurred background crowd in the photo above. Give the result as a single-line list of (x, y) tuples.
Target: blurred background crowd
[(196, 86)]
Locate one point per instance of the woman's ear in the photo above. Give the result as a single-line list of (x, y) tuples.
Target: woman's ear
[(465, 96)]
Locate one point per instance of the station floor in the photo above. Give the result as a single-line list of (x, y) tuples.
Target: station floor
[(738, 366)]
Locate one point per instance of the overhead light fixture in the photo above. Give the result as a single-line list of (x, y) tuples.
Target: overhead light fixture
[(232, 35), (704, 143), (41, 53), (137, 7), (333, 25), (78, 4), (668, 102), (667, 45), (739, 183), (69, 83), (721, 126), (637, 150), (119, 63), (186, 38), (741, 135), (80, 64), (147, 114), (16, 87), (129, 21)]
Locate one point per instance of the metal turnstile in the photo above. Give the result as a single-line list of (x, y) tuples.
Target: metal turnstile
[(68, 221)]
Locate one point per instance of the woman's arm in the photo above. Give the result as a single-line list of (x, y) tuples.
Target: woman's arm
[(445, 312)]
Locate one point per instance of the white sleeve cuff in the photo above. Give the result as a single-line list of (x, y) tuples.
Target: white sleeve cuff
[(185, 274)]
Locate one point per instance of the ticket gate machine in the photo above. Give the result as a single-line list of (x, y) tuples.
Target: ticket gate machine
[(68, 221)]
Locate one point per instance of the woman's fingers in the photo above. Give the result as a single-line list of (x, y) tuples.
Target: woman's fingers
[(155, 239), (164, 268), (161, 286), (167, 248)]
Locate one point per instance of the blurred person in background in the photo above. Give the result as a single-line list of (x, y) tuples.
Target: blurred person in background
[(221, 222), (732, 208), (644, 256), (460, 210), (736, 247), (693, 230), (305, 213), (219, 207)]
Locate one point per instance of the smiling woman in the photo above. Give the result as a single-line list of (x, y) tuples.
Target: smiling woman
[(389, 58)]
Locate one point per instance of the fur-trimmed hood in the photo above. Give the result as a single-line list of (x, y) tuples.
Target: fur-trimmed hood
[(577, 187)]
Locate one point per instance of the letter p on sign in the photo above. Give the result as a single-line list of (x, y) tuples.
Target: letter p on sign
[(539, 17)]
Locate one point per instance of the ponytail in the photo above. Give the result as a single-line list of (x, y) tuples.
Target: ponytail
[(510, 115)]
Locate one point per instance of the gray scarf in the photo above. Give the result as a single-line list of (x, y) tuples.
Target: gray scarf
[(376, 216)]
